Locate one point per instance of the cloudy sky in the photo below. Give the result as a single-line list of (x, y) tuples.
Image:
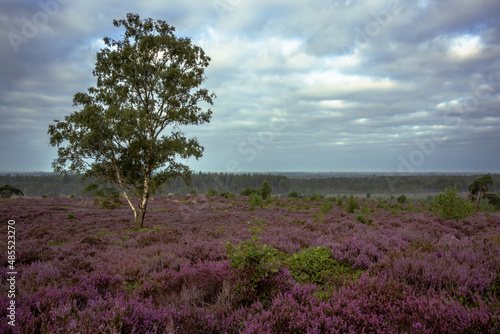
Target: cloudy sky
[(301, 85)]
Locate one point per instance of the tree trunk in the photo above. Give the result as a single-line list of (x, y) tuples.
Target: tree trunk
[(143, 204), (478, 200), (139, 219)]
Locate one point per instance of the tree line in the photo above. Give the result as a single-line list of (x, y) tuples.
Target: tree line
[(53, 185)]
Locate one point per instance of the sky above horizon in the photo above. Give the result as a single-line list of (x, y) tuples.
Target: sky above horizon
[(309, 85)]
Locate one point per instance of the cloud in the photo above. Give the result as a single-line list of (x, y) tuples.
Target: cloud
[(301, 85)]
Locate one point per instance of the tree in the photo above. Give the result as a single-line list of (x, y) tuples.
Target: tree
[(479, 187), (127, 134), (265, 190), (450, 205), (7, 191)]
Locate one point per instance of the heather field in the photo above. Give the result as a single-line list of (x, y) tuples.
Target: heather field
[(218, 265)]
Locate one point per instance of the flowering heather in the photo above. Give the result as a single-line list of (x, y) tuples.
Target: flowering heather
[(214, 265)]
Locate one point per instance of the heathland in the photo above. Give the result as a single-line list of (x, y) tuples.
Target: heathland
[(210, 264)]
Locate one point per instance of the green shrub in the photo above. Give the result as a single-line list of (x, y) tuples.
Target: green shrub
[(449, 205), (339, 201), (364, 220), (212, 192), (248, 191), (266, 190), (366, 210), (316, 197), (227, 194), (380, 203), (368, 195), (254, 200), (402, 199), (395, 211), (326, 208), (352, 204), (256, 264), (7, 191), (293, 194), (316, 265), (70, 216), (193, 192)]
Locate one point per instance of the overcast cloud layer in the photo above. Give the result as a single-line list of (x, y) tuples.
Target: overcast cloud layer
[(301, 85)]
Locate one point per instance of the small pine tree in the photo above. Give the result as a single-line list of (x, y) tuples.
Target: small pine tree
[(402, 199), (265, 190), (352, 204)]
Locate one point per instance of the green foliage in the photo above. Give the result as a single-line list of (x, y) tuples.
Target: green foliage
[(266, 190), (106, 197), (494, 200), (193, 192), (368, 195), (394, 211), (352, 204), (479, 188), (7, 191), (227, 194), (326, 208), (402, 199), (248, 191), (254, 200), (293, 194), (212, 192), (70, 216), (256, 263), (127, 132), (339, 201), (364, 219), (366, 210), (316, 265), (448, 204), (316, 197)]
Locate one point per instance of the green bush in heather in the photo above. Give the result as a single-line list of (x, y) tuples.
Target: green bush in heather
[(352, 204), (450, 205)]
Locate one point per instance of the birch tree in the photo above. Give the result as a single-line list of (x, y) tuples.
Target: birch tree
[(127, 133)]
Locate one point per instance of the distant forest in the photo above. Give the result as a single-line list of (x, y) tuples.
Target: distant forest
[(52, 185)]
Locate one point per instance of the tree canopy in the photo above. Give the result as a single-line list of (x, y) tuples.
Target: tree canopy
[(127, 133), (7, 191), (479, 187)]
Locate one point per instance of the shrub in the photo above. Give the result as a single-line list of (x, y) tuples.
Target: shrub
[(316, 197), (266, 190), (449, 205), (227, 194), (212, 192), (402, 199), (368, 195), (317, 265), (254, 200), (395, 211), (248, 191), (193, 192), (364, 220), (293, 194), (326, 208), (339, 201), (7, 191), (258, 268), (352, 204)]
